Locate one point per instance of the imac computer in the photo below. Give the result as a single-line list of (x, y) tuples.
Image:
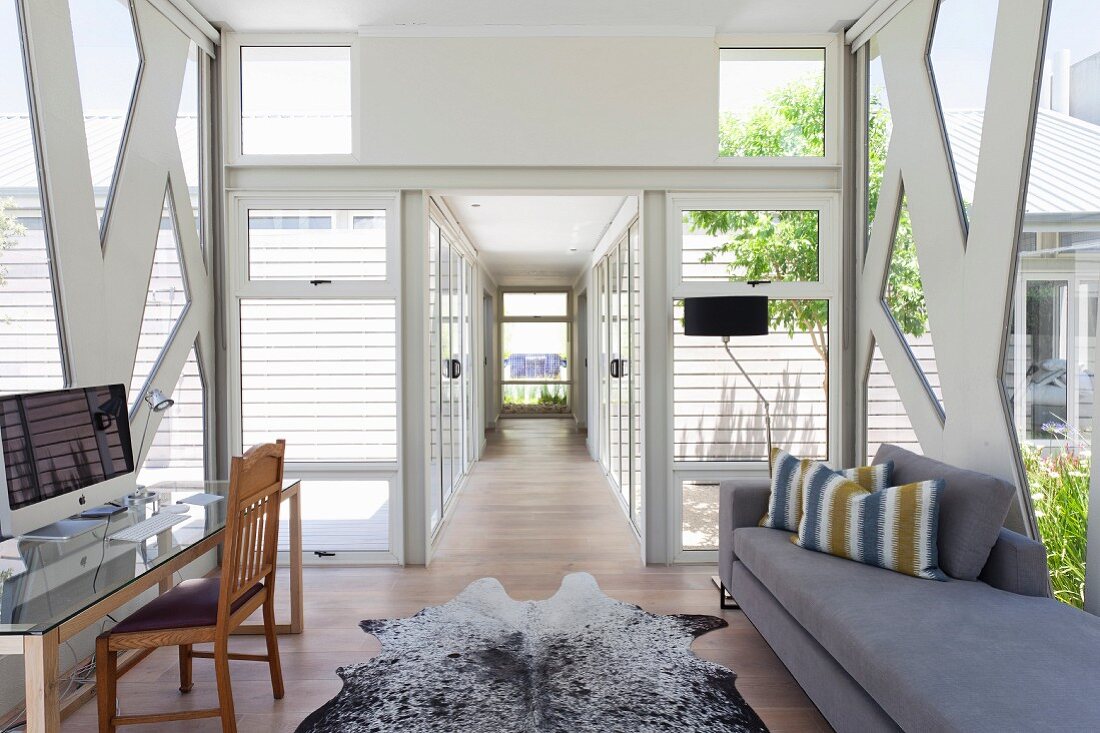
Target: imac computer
[(64, 452)]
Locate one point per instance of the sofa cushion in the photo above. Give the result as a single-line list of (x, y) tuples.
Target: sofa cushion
[(786, 501), (952, 656), (893, 528), (973, 508)]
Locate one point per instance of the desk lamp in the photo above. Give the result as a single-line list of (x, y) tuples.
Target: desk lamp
[(158, 402), (727, 316)]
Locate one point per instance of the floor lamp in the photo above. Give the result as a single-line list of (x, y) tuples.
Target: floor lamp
[(728, 316)]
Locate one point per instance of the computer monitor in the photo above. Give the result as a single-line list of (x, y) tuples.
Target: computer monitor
[(63, 452)]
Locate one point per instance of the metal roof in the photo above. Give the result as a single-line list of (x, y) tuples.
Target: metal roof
[(1065, 163), (1065, 167), (17, 165)]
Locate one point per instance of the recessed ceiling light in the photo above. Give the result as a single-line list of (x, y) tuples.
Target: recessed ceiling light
[(572, 249)]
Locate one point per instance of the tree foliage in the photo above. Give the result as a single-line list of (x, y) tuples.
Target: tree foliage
[(783, 245), (9, 230)]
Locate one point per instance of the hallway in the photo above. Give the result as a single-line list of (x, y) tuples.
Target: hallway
[(535, 508)]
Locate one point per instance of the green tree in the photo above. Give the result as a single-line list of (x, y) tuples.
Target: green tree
[(9, 230), (783, 245)]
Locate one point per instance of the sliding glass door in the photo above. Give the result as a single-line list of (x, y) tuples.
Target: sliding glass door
[(450, 276), (618, 318)]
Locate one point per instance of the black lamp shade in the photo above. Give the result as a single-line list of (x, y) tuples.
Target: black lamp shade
[(731, 315)]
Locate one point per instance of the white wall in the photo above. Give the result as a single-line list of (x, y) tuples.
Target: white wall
[(539, 101)]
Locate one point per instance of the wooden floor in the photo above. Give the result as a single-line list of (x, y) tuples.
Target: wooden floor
[(535, 508)]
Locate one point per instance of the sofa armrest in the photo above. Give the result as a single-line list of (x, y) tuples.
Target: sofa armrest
[(1017, 565), (741, 503)]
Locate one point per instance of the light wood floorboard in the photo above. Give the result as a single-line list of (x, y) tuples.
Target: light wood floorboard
[(535, 508)]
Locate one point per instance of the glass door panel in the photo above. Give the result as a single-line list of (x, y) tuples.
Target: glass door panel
[(625, 432), (614, 332), (602, 364), (635, 375), (434, 383)]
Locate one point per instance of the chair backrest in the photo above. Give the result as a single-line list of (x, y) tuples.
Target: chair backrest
[(251, 523)]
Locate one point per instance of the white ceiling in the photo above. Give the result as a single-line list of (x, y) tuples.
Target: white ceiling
[(730, 16), (528, 240)]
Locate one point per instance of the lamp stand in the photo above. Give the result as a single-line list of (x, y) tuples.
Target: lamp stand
[(759, 394)]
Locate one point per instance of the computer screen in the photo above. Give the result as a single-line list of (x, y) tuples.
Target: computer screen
[(58, 442)]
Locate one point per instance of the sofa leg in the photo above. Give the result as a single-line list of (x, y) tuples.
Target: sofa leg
[(725, 599)]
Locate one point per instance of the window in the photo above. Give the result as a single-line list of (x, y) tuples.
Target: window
[(962, 41), (750, 245), (317, 245), (717, 416), (177, 451), (30, 350), (165, 303), (887, 420), (315, 325), (323, 375), (771, 102), (1049, 375), (108, 64), (189, 132), (905, 302), (699, 515), (296, 100), (880, 126), (535, 305)]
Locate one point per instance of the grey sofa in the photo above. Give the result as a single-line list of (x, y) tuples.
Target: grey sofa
[(878, 651)]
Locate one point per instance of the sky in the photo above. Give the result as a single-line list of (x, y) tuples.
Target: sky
[(107, 58)]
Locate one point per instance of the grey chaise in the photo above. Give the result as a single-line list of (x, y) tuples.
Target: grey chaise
[(876, 650)]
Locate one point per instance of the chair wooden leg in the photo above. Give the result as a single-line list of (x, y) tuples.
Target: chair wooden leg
[(186, 682), (225, 688), (106, 683), (273, 662)]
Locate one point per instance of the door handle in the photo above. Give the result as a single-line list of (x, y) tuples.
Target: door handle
[(456, 369), (614, 368)]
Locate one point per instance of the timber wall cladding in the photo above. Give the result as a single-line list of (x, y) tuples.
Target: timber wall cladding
[(102, 283), (967, 271)]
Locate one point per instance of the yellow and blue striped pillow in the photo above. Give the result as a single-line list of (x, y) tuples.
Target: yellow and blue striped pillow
[(788, 472), (893, 528)]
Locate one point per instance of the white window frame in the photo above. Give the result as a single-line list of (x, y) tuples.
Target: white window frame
[(231, 80), (827, 287), (832, 45), (238, 287)]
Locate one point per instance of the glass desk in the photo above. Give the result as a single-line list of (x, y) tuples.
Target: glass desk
[(52, 591)]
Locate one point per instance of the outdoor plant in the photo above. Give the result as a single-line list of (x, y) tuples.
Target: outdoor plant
[(1059, 484)]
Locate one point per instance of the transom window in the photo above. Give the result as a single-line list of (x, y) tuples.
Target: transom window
[(296, 100), (771, 102)]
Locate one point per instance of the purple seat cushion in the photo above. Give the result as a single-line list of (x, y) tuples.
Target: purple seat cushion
[(191, 603)]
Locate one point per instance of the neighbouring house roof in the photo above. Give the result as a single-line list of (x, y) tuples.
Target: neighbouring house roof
[(1065, 164), (17, 165)]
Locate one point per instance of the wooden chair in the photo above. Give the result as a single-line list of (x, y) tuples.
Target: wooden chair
[(207, 610)]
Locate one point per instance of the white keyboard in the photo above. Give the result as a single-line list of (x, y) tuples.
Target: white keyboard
[(150, 527)]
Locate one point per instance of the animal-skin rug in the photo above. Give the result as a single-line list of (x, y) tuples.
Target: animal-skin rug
[(577, 662)]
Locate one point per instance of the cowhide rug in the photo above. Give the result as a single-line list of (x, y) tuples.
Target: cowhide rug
[(577, 662)]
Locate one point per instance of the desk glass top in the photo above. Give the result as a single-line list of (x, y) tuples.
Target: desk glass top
[(44, 584)]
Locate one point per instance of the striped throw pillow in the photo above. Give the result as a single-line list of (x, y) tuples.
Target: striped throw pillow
[(894, 528), (785, 504)]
